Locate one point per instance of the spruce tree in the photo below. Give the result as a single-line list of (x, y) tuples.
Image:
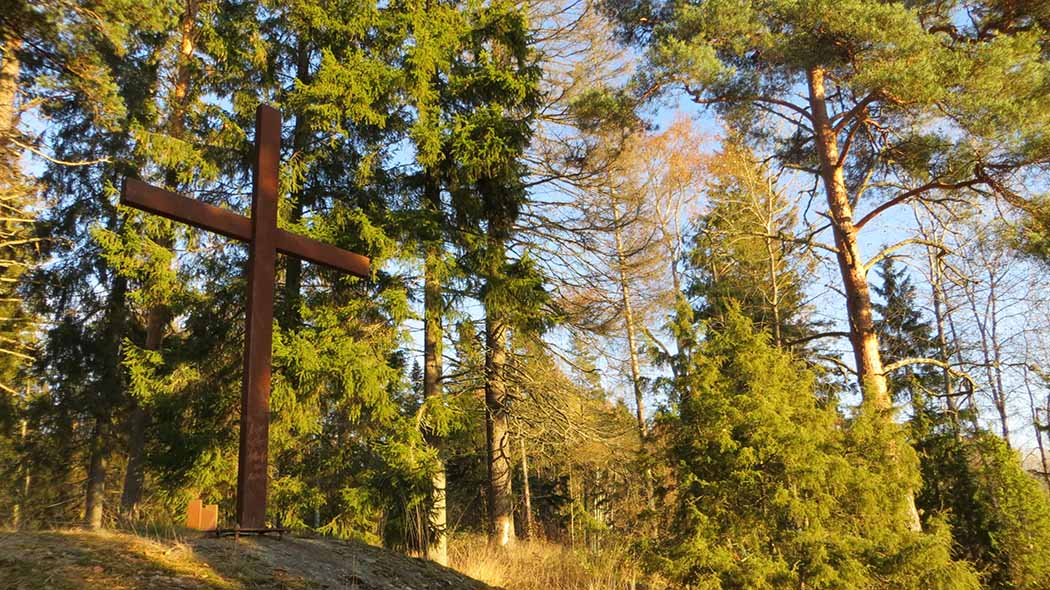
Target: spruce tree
[(904, 334), (86, 300), (771, 490), (745, 251), (998, 513), (492, 98)]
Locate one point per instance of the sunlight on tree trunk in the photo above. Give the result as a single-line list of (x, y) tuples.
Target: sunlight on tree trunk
[(501, 499)]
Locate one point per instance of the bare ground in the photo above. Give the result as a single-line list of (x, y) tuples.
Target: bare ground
[(67, 560)]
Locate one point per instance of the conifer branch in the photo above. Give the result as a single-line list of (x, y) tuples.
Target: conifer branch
[(697, 96), (847, 116), (53, 160), (929, 186), (804, 339), (889, 250), (890, 367), (846, 369)]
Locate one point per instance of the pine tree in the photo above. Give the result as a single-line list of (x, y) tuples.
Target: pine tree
[(889, 101)]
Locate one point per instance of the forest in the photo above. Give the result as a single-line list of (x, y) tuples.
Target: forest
[(665, 294)]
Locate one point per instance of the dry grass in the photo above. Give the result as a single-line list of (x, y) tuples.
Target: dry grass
[(111, 560), (541, 565), (114, 560)]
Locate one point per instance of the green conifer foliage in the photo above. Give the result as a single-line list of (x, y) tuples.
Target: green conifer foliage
[(773, 491), (904, 334), (876, 103), (999, 514), (490, 103), (348, 457), (92, 76), (743, 250)]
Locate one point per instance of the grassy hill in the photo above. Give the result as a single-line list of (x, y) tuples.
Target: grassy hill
[(60, 560)]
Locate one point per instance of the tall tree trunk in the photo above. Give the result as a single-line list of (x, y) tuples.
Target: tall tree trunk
[(851, 265), (134, 474), (293, 270), (1044, 461), (96, 475), (997, 358), (526, 490), (986, 328), (157, 317), (572, 511), (16, 511), (971, 401), (628, 319), (501, 496), (937, 288), (433, 312), (632, 349), (774, 266), (109, 395), (10, 68), (858, 300)]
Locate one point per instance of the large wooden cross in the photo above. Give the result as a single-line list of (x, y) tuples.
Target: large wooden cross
[(264, 239)]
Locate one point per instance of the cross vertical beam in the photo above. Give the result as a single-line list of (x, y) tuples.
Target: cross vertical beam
[(255, 396)]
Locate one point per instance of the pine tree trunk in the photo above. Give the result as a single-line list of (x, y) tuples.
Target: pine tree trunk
[(851, 265), (501, 498), (96, 476), (433, 311), (526, 490), (16, 510), (10, 69)]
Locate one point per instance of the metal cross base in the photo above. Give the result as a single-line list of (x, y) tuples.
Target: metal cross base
[(238, 532)]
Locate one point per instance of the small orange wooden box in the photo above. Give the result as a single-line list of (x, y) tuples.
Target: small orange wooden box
[(202, 518)]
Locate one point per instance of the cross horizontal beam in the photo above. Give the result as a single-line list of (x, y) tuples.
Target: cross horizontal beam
[(138, 194)]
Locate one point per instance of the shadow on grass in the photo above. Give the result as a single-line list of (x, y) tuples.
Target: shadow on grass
[(182, 560)]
